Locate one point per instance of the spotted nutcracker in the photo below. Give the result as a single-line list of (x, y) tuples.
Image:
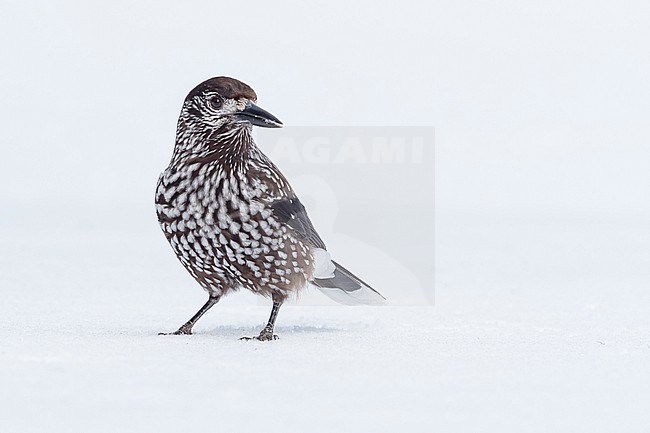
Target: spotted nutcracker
[(230, 215)]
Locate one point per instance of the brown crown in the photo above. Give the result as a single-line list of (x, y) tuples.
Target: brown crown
[(227, 87)]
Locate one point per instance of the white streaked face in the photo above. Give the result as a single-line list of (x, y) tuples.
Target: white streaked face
[(212, 110)]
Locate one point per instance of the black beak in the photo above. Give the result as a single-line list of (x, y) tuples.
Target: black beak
[(258, 117)]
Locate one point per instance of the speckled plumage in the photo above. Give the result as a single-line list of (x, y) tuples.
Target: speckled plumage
[(215, 209), (230, 216)]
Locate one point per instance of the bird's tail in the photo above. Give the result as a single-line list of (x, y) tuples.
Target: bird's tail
[(341, 285)]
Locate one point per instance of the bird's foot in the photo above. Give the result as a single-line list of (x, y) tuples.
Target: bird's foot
[(264, 336), (181, 331)]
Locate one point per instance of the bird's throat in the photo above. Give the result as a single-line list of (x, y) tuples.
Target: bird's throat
[(228, 147)]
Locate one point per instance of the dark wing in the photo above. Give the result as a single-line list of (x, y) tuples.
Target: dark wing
[(291, 212), (343, 286)]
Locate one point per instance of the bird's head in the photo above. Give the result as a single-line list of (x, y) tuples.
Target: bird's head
[(224, 102)]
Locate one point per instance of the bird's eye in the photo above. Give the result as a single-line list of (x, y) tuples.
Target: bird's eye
[(216, 102)]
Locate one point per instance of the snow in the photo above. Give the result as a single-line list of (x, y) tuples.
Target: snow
[(503, 349), (334, 369), (541, 320)]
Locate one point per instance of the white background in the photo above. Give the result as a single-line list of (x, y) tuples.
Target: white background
[(542, 235)]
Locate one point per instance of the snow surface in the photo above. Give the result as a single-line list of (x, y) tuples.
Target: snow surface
[(505, 348), (542, 313)]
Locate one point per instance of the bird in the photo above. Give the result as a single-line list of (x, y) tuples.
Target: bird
[(232, 218)]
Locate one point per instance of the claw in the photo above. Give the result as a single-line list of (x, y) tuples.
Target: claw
[(179, 332), (261, 337)]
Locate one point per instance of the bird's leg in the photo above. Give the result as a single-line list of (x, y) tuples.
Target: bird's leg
[(267, 332), (186, 329)]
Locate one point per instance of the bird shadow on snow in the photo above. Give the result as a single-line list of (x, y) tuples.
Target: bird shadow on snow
[(240, 331)]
